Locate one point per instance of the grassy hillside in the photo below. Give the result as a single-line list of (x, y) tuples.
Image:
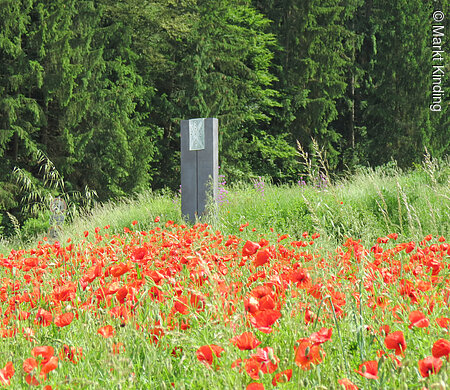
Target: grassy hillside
[(364, 205)]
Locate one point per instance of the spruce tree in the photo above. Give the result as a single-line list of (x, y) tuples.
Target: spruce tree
[(316, 53), (399, 74)]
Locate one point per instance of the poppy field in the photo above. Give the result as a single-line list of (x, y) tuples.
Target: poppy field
[(189, 308)]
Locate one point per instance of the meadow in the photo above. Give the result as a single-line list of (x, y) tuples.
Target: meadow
[(321, 284)]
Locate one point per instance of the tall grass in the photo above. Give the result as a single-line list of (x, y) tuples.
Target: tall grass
[(364, 205)]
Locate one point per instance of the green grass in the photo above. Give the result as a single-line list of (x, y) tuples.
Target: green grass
[(364, 205)]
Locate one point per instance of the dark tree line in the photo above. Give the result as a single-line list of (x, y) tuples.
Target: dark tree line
[(98, 88)]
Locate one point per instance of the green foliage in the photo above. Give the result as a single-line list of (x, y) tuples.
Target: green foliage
[(315, 53), (36, 226), (69, 89), (274, 157), (398, 83)]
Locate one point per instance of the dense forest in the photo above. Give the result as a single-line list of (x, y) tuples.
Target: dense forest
[(92, 92)]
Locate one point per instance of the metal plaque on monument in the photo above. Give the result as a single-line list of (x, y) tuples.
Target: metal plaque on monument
[(199, 165)]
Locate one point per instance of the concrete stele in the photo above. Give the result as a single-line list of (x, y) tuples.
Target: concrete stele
[(199, 165)]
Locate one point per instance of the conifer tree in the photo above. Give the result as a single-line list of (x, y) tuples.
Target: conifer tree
[(203, 58), (69, 89), (398, 119), (312, 64)]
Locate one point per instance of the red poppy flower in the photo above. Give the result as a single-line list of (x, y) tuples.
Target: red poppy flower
[(410, 246), (418, 319), (244, 225), (6, 374), (441, 348), (118, 348), (308, 353), (384, 330), (262, 257), (255, 386), (139, 254), (250, 248), (180, 305), (64, 319), (46, 352), (122, 294), (309, 316), (51, 365), (429, 365), (321, 336), (347, 384), (252, 368), (443, 322), (29, 365), (197, 301), (156, 334), (71, 354), (106, 331), (369, 369), (282, 377), (263, 320), (396, 340), (269, 361), (300, 277), (43, 317), (24, 315), (261, 291), (31, 380), (245, 341), (206, 353), (267, 303), (119, 269)]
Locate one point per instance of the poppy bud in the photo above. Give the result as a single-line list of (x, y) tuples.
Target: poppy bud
[(307, 351), (260, 374)]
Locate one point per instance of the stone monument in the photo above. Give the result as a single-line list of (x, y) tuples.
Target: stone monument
[(58, 207), (199, 165)]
